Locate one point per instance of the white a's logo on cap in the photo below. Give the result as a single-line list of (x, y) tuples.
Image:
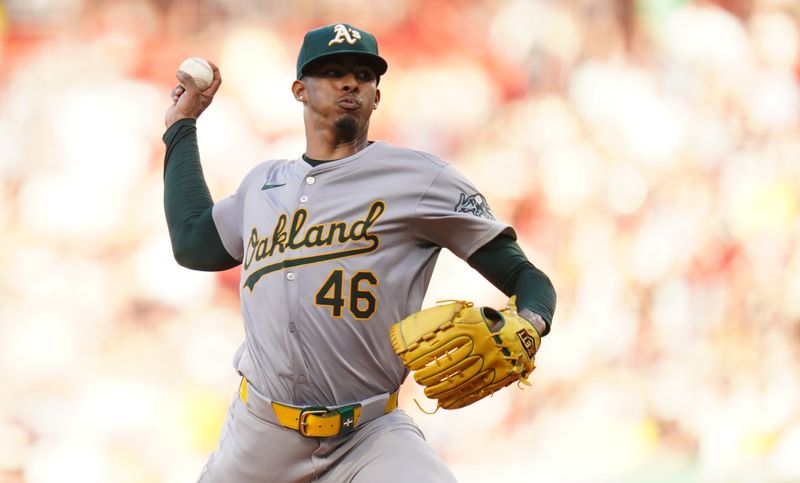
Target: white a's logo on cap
[(343, 34)]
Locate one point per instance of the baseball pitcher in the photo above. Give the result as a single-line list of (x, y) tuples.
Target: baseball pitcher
[(336, 248)]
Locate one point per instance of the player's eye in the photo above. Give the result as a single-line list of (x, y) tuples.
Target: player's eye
[(365, 75), (333, 71)]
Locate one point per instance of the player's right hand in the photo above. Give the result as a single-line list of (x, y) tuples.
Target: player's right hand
[(187, 100)]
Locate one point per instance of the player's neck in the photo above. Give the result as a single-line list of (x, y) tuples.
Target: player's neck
[(326, 146)]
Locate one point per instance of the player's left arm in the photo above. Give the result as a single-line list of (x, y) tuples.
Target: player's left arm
[(451, 213), (503, 263), (487, 348)]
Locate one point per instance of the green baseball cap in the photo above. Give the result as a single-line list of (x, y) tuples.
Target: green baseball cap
[(339, 38)]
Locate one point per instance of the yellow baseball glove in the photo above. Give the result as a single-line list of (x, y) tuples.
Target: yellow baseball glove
[(461, 353)]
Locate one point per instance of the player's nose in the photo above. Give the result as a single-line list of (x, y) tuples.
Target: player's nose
[(349, 82)]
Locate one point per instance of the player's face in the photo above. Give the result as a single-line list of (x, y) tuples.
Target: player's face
[(340, 86)]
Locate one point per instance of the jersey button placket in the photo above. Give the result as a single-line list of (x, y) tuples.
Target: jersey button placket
[(309, 181), (291, 291), (298, 363)]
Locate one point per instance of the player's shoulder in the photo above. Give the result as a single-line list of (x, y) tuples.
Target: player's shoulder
[(273, 164), (263, 170), (414, 156)]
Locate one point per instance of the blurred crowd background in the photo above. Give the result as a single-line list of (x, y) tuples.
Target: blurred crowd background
[(646, 150)]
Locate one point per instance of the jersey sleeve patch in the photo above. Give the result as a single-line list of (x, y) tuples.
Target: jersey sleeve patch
[(474, 205)]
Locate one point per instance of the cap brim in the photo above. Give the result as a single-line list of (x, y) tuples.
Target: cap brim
[(377, 62)]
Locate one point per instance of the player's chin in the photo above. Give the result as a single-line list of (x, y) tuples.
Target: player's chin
[(346, 126)]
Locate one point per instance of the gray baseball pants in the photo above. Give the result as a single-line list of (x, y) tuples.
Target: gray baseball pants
[(389, 449)]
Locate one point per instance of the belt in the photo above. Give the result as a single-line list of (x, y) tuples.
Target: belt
[(317, 421)]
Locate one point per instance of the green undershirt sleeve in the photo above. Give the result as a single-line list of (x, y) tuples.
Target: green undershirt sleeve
[(502, 262), (187, 203)]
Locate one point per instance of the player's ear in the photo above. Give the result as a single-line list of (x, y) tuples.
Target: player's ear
[(299, 91), (377, 99)]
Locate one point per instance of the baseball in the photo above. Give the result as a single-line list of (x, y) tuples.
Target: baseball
[(199, 70)]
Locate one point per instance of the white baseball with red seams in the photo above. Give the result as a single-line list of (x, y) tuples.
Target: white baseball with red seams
[(199, 70)]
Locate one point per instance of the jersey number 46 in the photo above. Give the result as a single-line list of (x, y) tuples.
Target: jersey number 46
[(359, 300)]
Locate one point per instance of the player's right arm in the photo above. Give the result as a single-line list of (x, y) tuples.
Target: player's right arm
[(188, 205)]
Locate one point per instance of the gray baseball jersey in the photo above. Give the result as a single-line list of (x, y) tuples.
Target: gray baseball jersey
[(332, 256)]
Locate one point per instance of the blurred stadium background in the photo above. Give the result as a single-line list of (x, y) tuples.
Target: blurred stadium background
[(646, 150)]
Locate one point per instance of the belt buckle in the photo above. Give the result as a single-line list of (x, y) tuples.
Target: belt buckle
[(305, 413)]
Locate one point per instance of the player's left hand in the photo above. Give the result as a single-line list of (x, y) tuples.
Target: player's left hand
[(188, 101), (462, 353)]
